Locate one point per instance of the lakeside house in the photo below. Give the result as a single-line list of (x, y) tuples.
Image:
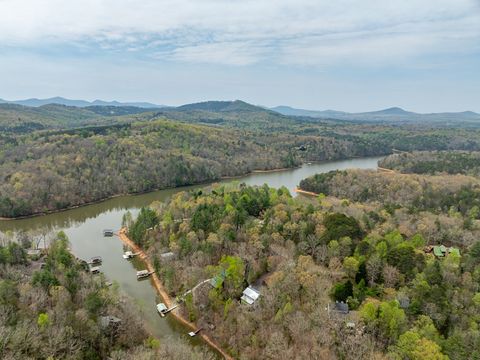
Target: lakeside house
[(34, 253), (109, 322), (442, 250), (338, 307), (167, 256), (250, 295), (217, 280)]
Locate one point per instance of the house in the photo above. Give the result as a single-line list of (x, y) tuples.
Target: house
[(110, 322), (442, 251), (403, 301), (338, 307), (217, 280), (167, 256), (250, 295), (439, 251), (35, 253)]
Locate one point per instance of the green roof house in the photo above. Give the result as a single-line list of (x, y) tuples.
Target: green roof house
[(437, 251)]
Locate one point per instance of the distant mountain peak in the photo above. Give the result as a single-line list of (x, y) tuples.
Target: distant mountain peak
[(221, 106), (393, 111)]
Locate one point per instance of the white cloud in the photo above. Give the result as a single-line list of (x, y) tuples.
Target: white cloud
[(244, 32)]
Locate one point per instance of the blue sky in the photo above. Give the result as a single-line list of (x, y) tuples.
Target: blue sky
[(423, 55)]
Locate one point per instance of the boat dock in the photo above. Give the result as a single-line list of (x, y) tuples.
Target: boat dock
[(142, 274), (96, 260), (163, 310), (193, 333), (129, 255)]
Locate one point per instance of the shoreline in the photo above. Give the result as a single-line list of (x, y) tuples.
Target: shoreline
[(73, 207), (305, 192), (166, 297), (212, 181)]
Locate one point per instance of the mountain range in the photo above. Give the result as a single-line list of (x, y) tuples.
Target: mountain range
[(116, 108), (390, 114), (33, 102)]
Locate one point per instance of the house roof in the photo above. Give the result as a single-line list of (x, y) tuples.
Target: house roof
[(106, 321), (250, 295), (167, 255), (33, 252), (217, 280), (454, 251), (341, 307), (161, 307), (437, 250)]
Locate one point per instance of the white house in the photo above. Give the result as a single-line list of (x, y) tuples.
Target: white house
[(250, 295)]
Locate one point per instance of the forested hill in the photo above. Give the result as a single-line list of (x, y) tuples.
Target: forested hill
[(56, 169), (51, 307), (426, 162), (57, 156), (401, 300)]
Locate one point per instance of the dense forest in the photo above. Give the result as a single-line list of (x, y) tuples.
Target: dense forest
[(424, 162), (55, 156), (453, 194), (306, 255), (51, 308)]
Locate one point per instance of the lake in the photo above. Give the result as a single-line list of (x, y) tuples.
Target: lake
[(84, 228)]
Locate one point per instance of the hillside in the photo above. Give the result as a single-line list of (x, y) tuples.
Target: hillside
[(437, 162), (304, 256)]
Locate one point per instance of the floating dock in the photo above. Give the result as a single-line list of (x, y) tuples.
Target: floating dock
[(108, 232)]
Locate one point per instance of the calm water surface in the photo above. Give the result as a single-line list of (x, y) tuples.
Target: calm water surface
[(84, 228)]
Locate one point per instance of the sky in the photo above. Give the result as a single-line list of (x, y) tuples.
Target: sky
[(421, 55)]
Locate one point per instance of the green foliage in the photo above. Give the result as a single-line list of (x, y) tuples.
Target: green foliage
[(386, 316), (146, 219), (93, 302), (342, 291), (43, 320), (340, 225), (45, 278)]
